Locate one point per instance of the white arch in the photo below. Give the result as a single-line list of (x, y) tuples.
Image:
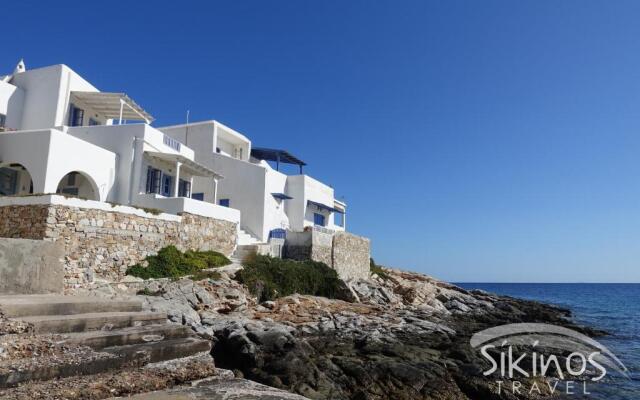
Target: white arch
[(78, 183)]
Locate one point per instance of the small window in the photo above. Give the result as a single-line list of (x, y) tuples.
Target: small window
[(93, 122), (153, 180), (198, 196), (3, 120), (166, 185), (224, 202), (184, 188), (76, 116), (318, 219)]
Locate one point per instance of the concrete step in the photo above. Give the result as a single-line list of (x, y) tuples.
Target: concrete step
[(84, 367), (93, 321), (134, 335), (32, 305), (162, 351)]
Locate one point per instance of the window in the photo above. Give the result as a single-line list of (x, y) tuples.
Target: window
[(338, 219), (71, 178), (8, 181), (3, 120), (153, 180), (184, 188), (166, 185), (198, 196), (76, 116), (93, 122), (318, 219), (224, 202)]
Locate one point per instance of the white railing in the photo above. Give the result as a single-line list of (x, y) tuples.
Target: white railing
[(171, 142)]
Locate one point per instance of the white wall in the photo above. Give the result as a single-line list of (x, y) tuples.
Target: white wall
[(129, 142), (11, 103), (46, 95), (50, 154), (275, 216)]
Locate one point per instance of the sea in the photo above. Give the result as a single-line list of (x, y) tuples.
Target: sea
[(614, 308)]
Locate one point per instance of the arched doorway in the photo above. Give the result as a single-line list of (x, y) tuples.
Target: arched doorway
[(15, 180), (78, 184)]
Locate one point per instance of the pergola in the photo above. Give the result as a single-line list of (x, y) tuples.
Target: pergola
[(262, 153), (117, 106)]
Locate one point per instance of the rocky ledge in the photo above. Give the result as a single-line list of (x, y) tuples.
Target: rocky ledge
[(401, 336)]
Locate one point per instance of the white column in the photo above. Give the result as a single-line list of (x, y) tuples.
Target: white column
[(176, 183), (215, 190), (121, 109)]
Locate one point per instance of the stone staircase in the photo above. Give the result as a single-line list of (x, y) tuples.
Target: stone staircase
[(119, 329), (242, 251), (245, 238)]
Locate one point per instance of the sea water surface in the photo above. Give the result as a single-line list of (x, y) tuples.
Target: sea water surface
[(614, 308)]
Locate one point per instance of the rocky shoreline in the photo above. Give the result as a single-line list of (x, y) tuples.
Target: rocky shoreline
[(401, 336), (398, 335)]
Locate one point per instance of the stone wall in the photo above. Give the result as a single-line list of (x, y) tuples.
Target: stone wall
[(348, 254), (101, 244), (351, 255), (30, 267)]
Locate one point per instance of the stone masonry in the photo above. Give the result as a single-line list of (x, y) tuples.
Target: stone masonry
[(100, 245), (348, 254)]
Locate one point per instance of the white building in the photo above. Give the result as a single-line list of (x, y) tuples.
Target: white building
[(60, 134), (268, 199)]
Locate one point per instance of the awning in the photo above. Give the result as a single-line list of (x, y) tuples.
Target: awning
[(262, 153), (324, 207), (188, 165), (112, 105), (281, 196)]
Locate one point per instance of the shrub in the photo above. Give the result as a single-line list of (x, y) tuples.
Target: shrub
[(268, 278), (377, 269), (149, 292), (202, 275), (172, 263)]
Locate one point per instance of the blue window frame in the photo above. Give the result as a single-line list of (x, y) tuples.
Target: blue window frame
[(3, 120), (318, 219), (224, 202), (166, 185), (154, 177), (198, 196), (184, 188), (76, 116)]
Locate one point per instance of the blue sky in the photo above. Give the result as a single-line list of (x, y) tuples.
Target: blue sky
[(472, 140)]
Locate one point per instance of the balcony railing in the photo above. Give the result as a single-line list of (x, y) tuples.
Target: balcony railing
[(171, 142)]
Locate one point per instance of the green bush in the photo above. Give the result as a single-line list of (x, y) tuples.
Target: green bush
[(377, 269), (268, 278), (172, 263)]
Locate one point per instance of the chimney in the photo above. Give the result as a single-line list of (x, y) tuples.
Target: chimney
[(20, 67)]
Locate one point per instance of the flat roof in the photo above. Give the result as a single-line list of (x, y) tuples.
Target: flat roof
[(263, 153)]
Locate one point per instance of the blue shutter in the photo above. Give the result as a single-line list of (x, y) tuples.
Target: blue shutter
[(224, 202), (318, 219)]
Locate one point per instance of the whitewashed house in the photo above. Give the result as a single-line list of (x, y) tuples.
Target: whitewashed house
[(269, 200), (60, 134)]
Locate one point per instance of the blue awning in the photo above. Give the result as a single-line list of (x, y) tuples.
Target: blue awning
[(324, 207), (281, 196)]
